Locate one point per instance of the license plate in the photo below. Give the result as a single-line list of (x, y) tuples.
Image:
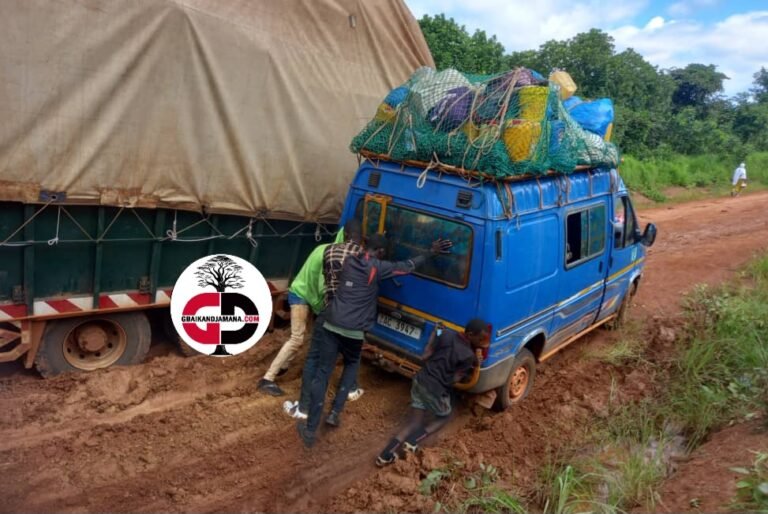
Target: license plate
[(399, 326)]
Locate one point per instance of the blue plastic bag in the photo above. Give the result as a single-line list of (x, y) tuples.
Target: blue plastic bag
[(594, 115), (573, 101), (556, 135), (396, 96)]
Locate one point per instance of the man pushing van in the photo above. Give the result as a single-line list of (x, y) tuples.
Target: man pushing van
[(309, 290), (351, 312), (449, 358)]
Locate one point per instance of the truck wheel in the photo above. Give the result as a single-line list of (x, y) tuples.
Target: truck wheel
[(520, 381), (172, 335), (93, 342)]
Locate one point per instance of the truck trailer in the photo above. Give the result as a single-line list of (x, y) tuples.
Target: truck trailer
[(140, 136)]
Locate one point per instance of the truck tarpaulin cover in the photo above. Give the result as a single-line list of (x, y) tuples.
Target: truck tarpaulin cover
[(233, 106)]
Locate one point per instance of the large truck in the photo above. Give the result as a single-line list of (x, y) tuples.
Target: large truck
[(137, 137)]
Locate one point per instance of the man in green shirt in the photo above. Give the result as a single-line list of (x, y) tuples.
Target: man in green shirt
[(307, 292)]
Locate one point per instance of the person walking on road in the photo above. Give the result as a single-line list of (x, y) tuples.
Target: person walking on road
[(739, 181)]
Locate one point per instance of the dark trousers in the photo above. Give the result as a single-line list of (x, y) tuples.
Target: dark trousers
[(329, 346), (310, 368)]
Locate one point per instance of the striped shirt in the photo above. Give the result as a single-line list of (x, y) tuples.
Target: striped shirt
[(333, 260)]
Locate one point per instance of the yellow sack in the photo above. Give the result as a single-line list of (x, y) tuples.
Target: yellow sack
[(520, 138), (566, 83), (484, 133), (385, 113), (533, 102)]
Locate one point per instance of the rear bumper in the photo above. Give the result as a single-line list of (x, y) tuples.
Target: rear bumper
[(390, 357), (394, 359)]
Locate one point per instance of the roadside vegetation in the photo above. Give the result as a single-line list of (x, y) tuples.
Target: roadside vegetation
[(718, 376), (701, 175), (753, 487)]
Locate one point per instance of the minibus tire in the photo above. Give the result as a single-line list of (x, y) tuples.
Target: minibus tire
[(523, 368), (621, 314), (87, 343)]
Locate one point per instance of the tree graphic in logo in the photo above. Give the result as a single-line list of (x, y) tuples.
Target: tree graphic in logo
[(221, 305), (221, 272)]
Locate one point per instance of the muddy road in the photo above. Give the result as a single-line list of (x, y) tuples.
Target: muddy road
[(193, 434)]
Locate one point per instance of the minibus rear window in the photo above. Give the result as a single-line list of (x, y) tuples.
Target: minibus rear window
[(411, 233)]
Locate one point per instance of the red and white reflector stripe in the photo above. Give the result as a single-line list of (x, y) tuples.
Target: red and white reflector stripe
[(58, 306), (12, 311)]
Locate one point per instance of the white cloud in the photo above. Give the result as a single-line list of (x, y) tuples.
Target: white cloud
[(688, 7), (736, 45), (656, 23), (523, 24)]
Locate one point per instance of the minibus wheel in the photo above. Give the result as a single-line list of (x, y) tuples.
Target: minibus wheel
[(87, 343), (622, 312), (520, 381)]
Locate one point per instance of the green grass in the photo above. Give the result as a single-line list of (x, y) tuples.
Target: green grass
[(456, 489), (628, 350), (719, 375), (723, 372), (752, 488), (621, 471), (652, 176)]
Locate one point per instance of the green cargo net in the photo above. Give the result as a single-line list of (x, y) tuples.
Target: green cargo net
[(501, 125)]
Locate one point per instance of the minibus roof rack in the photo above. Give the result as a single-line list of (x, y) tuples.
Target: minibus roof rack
[(438, 166)]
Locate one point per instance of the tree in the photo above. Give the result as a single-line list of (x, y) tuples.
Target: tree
[(657, 112), (585, 57), (636, 84), (760, 88), (486, 55), (696, 84), (453, 47), (751, 124), (221, 272)]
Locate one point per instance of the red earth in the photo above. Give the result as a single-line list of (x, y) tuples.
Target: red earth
[(194, 435)]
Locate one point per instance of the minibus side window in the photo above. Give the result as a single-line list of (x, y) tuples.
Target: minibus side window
[(629, 226), (620, 217), (585, 234), (624, 215)]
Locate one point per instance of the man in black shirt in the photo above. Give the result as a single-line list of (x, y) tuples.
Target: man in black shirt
[(449, 358), (352, 311)]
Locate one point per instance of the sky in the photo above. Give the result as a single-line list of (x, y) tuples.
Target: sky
[(732, 34)]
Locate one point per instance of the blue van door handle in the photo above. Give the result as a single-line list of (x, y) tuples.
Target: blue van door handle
[(600, 267)]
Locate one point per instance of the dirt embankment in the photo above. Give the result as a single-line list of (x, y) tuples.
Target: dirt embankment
[(194, 435)]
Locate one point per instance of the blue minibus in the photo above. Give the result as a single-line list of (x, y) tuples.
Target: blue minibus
[(543, 259)]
